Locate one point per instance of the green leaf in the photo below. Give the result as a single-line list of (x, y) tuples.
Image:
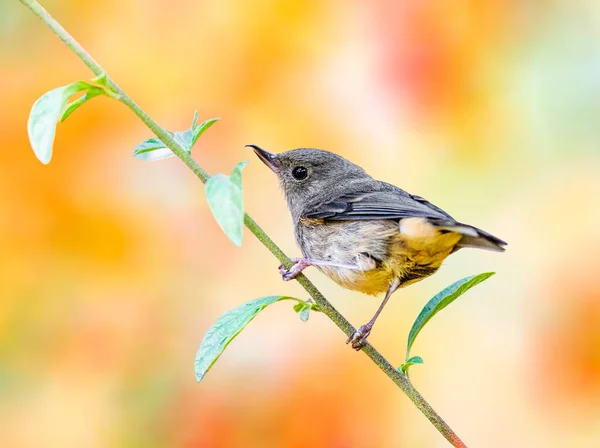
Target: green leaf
[(155, 149), (303, 309), (92, 92), (409, 362), (440, 301), (299, 307), (199, 130), (226, 201), (45, 114), (225, 329), (152, 149), (304, 313), (188, 138), (100, 79)]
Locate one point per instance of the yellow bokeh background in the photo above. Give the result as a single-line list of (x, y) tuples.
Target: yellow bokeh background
[(112, 269)]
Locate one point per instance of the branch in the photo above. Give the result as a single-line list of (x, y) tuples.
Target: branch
[(398, 378)]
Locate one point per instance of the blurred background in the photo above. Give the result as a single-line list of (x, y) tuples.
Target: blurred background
[(112, 269)]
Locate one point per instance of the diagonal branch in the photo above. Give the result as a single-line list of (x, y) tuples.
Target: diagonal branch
[(398, 378)]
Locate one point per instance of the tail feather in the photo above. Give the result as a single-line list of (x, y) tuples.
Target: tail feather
[(474, 237), (480, 243)]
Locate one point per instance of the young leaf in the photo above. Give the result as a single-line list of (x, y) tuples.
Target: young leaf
[(195, 120), (304, 314), (409, 362), (303, 309), (188, 138), (299, 307), (199, 130), (45, 114), (440, 301), (100, 79), (154, 149), (225, 329), (91, 92), (226, 201)]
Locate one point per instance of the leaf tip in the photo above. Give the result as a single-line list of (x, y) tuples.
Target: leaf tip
[(43, 156), (241, 165), (304, 314), (409, 362)]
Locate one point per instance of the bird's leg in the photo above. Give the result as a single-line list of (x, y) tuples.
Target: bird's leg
[(302, 263), (359, 338)]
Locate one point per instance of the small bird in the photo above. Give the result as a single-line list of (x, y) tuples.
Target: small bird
[(364, 234)]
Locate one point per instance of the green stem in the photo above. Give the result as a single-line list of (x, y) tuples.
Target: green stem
[(324, 306)]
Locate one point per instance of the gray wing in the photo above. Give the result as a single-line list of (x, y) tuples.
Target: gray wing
[(386, 204), (395, 204)]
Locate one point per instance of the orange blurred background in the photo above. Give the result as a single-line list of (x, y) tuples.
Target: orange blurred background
[(112, 269)]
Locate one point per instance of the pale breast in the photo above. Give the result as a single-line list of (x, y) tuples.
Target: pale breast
[(362, 243)]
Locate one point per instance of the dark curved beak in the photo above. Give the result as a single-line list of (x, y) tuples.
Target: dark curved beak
[(268, 158)]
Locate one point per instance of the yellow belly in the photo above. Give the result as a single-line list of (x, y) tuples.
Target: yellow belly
[(373, 282)]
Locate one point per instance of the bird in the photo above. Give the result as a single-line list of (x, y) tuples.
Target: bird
[(364, 234)]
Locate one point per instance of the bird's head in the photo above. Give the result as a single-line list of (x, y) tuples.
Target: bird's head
[(308, 176)]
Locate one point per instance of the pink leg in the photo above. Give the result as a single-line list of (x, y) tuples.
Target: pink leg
[(359, 338), (299, 265)]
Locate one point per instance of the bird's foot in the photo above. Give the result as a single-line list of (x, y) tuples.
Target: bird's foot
[(359, 338), (299, 265)]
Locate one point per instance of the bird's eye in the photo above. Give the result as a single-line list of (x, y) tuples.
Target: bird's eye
[(300, 173)]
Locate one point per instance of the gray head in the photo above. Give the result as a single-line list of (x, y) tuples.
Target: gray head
[(311, 176)]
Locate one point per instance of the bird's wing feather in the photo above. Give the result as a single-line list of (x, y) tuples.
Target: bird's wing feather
[(395, 204), (385, 204)]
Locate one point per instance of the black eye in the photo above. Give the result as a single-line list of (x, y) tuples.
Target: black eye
[(300, 173)]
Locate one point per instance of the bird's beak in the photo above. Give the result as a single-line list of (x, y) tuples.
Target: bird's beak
[(268, 158)]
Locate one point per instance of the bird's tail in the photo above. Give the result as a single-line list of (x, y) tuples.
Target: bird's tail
[(474, 237)]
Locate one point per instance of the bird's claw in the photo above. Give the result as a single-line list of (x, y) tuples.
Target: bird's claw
[(293, 272), (359, 338), (287, 274)]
